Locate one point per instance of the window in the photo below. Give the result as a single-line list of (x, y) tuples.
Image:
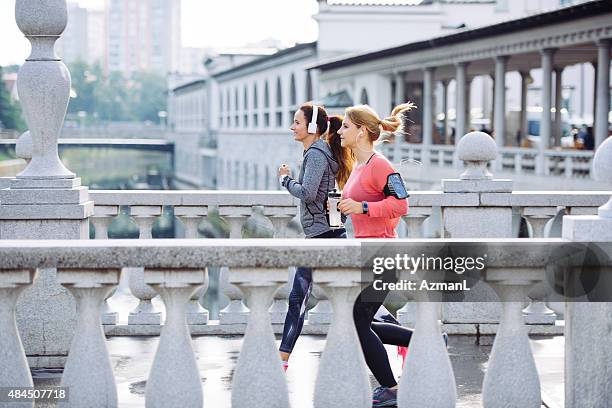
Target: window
[(279, 102), (363, 99), (255, 106), (266, 105), (308, 86), (292, 93)]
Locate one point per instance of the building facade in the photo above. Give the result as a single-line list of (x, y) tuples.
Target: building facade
[(250, 105)]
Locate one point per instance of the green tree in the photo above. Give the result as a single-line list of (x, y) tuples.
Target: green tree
[(10, 113), (148, 96)]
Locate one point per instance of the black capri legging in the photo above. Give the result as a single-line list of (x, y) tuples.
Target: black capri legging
[(374, 335)]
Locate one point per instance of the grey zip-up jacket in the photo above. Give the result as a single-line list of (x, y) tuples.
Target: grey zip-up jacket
[(317, 177)]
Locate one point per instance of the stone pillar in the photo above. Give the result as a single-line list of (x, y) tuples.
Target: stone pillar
[(587, 325), (460, 106), (428, 90), (399, 88), (500, 105), (545, 122), (46, 200), (602, 107), (445, 132), (524, 128), (558, 129), (476, 185)]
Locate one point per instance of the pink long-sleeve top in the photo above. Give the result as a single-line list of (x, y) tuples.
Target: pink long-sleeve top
[(366, 183)]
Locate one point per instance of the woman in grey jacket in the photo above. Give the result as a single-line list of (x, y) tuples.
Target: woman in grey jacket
[(324, 164)]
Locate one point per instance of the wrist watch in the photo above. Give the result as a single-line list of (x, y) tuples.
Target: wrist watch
[(364, 206)]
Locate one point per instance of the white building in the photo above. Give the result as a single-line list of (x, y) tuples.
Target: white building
[(250, 105)]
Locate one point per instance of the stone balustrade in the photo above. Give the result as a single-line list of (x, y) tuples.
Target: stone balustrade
[(518, 160), (177, 268)]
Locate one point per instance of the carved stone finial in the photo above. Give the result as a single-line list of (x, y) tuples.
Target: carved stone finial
[(476, 149)]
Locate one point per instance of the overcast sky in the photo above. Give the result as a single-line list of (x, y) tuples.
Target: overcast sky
[(206, 23)]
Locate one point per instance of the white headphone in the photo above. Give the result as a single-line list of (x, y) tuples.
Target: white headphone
[(312, 126)]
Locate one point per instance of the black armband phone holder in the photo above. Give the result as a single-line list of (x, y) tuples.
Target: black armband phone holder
[(395, 187)]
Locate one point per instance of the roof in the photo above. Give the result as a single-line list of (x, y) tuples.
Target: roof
[(583, 10), (189, 84), (402, 2), (257, 61)]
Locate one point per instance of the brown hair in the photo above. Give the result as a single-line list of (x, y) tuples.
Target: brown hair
[(364, 115), (321, 116), (343, 155)]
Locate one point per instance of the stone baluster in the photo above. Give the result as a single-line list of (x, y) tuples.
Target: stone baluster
[(414, 220), (441, 154), (259, 380), (340, 363), (512, 374), (191, 216), (101, 220), (587, 324), (538, 217), (14, 370), (88, 373), (174, 379), (280, 218), (145, 312), (321, 313), (407, 314), (427, 379), (568, 165), (518, 163), (537, 312), (235, 312)]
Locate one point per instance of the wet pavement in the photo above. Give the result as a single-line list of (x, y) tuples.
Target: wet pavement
[(217, 356)]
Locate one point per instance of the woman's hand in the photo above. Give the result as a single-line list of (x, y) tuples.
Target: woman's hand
[(348, 206), (284, 170)]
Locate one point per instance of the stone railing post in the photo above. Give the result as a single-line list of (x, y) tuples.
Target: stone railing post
[(587, 348), (88, 373), (259, 380), (341, 362), (145, 312), (174, 379), (191, 216), (14, 370), (414, 221), (322, 312), (45, 200), (476, 150)]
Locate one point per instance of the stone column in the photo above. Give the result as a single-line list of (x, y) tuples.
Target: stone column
[(524, 128), (46, 200), (476, 185), (399, 88), (428, 90), (558, 129), (587, 325), (545, 122), (602, 107), (500, 105), (445, 132), (460, 106)]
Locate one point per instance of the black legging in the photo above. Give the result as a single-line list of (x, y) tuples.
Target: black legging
[(298, 299), (373, 335)]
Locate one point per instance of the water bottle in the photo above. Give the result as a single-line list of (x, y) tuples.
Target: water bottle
[(335, 216)]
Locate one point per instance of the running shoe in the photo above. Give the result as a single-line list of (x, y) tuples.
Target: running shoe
[(384, 397)]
